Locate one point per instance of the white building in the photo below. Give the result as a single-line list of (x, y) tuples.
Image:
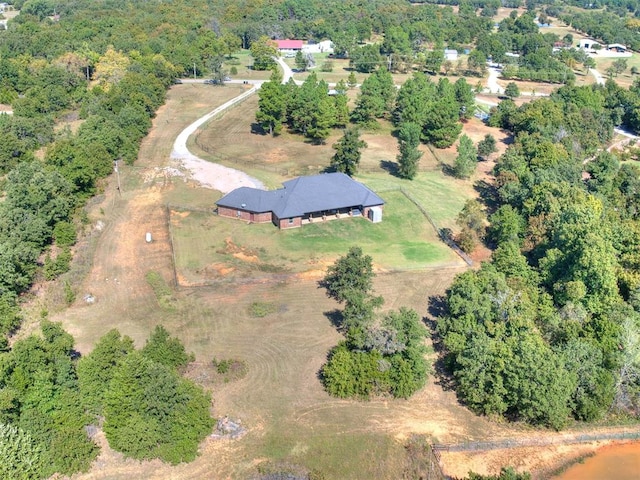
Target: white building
[(325, 46), (450, 54)]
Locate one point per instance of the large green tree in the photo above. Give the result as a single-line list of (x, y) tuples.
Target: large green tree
[(466, 160), (409, 156), (348, 152), (272, 105)]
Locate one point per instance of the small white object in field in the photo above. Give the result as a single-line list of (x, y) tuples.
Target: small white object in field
[(148, 237)]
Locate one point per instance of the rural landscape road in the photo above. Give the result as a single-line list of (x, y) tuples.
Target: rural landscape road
[(209, 174), (213, 175)]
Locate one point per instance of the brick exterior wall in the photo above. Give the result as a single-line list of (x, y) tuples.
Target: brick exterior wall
[(283, 223), (265, 217), (244, 215), (261, 217)]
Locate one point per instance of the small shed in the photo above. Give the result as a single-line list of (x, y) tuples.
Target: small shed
[(375, 214), (450, 54)]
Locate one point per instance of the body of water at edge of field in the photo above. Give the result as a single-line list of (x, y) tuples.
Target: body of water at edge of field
[(614, 462)]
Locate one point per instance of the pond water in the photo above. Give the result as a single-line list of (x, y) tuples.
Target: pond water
[(619, 462)]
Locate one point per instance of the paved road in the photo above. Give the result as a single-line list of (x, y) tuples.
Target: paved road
[(492, 81)]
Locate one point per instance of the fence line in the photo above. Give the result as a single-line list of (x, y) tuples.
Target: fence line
[(167, 213), (442, 233), (530, 442)]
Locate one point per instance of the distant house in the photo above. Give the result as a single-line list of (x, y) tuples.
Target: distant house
[(325, 46), (289, 46), (617, 47), (303, 200), (587, 44), (450, 54)]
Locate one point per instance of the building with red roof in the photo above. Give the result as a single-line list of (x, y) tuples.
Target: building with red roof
[(289, 45)]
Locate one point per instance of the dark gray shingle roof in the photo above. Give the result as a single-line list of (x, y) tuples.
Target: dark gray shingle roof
[(315, 193)]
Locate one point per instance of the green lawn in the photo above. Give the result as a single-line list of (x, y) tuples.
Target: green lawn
[(208, 248), (441, 196)]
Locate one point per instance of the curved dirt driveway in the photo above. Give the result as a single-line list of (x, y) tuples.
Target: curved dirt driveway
[(209, 174)]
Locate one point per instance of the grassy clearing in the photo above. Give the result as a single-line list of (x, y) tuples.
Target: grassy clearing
[(243, 62), (209, 248), (625, 79)]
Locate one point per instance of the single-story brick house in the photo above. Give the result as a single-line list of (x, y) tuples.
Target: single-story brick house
[(303, 200)]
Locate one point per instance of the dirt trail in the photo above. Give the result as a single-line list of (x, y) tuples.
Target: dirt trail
[(206, 173)]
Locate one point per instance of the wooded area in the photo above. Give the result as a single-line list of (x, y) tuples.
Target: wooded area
[(546, 332)]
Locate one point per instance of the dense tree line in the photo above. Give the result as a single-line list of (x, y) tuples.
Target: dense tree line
[(105, 64), (607, 26), (307, 109), (536, 59), (548, 331), (437, 109), (406, 28), (380, 355), (48, 398)]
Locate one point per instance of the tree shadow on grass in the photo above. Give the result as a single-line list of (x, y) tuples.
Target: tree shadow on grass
[(390, 167), (448, 170), (336, 318), (488, 195), (257, 129), (437, 308)]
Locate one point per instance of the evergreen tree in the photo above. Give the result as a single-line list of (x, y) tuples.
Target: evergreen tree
[(466, 161), (323, 120), (162, 348), (342, 110), (272, 104), (376, 97), (301, 61), (465, 97), (512, 91), (442, 123), (347, 156), (352, 81), (408, 141), (487, 146), (415, 99)]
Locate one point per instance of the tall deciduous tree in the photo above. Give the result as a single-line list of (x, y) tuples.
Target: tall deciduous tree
[(263, 50), (409, 156), (348, 152), (349, 274)]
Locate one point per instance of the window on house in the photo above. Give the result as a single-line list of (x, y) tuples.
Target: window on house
[(291, 221)]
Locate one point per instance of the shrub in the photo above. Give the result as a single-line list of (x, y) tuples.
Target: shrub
[(53, 268), (64, 233), (261, 309)]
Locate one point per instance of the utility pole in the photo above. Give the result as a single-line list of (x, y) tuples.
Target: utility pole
[(194, 71)]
